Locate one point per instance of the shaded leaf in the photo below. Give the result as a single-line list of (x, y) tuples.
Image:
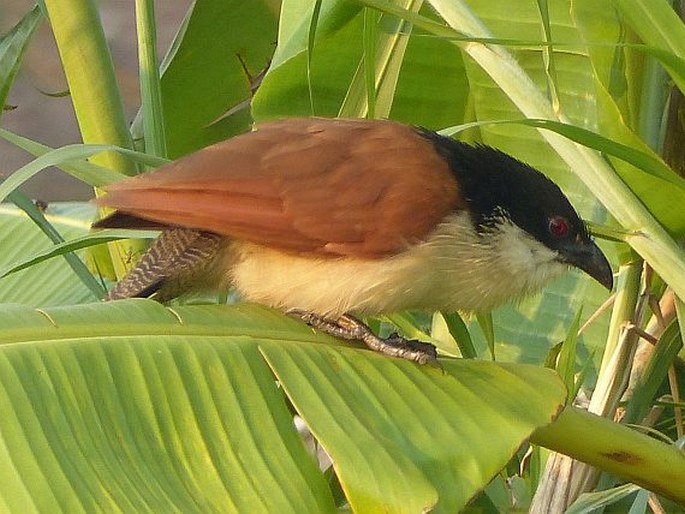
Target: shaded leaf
[(134, 405), (446, 434), (49, 283), (206, 91)]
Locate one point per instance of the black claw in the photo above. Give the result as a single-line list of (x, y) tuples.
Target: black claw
[(413, 345), (417, 351)]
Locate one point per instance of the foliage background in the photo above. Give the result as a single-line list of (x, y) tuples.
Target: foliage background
[(329, 59)]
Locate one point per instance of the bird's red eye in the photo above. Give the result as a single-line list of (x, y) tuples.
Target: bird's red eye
[(558, 226)]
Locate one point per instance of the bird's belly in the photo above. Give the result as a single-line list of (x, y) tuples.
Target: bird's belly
[(453, 270), (325, 285)]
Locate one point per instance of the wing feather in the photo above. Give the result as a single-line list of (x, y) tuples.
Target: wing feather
[(339, 187)]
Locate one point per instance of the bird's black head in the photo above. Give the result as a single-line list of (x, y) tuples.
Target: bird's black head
[(498, 187)]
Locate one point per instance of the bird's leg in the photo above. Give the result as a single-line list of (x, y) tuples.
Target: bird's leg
[(349, 327)]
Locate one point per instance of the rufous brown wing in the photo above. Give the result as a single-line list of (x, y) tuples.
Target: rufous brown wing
[(334, 187)]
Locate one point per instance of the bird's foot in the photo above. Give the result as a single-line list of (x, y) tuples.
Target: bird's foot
[(350, 328)]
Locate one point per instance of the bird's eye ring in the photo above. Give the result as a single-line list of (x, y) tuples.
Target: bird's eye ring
[(558, 226)]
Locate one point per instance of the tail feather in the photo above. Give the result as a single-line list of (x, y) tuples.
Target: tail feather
[(169, 266), (119, 219)]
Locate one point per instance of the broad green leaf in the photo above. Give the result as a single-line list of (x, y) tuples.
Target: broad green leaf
[(62, 248), (337, 53), (128, 410), (206, 92), (432, 90), (288, 88), (381, 407), (36, 215), (294, 28), (138, 407), (49, 283), (372, 89)]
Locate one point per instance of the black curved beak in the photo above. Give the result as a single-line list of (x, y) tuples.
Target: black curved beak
[(586, 255)]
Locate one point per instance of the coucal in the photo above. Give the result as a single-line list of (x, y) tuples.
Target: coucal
[(330, 219)]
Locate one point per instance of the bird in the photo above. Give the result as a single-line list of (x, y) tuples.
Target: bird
[(334, 219)]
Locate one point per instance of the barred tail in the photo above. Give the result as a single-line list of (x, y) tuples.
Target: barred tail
[(170, 265)]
